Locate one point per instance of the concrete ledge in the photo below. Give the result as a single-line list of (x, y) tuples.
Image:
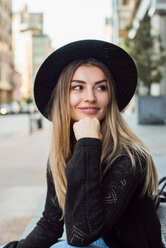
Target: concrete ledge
[(34, 220)]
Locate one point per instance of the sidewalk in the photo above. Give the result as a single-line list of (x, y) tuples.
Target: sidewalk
[(23, 162), (154, 136), (32, 195)]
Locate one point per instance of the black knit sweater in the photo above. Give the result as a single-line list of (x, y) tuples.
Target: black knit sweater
[(112, 208)]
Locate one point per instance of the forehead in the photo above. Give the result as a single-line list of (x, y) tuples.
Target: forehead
[(89, 71)]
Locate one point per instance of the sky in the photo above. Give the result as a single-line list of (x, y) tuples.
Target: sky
[(69, 20)]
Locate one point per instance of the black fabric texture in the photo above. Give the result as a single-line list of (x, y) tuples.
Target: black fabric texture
[(111, 208)]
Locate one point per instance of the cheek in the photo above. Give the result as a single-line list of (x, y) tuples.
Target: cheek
[(104, 100), (74, 99)]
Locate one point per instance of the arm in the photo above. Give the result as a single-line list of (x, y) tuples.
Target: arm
[(92, 208), (49, 228)]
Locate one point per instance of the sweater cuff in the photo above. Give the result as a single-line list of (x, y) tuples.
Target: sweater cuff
[(88, 142), (91, 149), (86, 159)]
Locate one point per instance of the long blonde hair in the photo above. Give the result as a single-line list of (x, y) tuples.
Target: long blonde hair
[(117, 137)]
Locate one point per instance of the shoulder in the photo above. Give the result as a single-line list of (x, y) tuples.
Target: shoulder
[(133, 166)]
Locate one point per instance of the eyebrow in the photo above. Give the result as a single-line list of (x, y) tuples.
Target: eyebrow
[(83, 82)]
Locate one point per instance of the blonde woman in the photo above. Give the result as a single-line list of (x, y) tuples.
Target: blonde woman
[(101, 178)]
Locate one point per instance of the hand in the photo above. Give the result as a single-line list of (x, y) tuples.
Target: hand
[(87, 127)]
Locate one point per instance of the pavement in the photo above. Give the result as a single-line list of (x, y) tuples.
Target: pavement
[(23, 159), (22, 202)]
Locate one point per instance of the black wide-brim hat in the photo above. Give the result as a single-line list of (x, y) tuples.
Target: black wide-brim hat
[(119, 63)]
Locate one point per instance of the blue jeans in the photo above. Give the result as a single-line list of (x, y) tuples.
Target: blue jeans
[(99, 243)]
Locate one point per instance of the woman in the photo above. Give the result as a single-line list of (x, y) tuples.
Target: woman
[(101, 178)]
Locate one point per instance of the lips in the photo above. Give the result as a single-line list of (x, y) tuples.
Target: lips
[(89, 110)]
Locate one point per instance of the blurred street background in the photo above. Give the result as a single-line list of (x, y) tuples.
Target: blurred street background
[(23, 159), (29, 31)]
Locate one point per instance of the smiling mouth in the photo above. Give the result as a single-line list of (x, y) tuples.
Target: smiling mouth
[(90, 110)]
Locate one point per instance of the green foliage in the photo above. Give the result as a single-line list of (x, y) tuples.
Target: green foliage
[(28, 100), (148, 53)]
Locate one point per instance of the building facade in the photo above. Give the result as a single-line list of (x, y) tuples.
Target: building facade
[(125, 9), (30, 47), (6, 62), (119, 19), (41, 48), (111, 24)]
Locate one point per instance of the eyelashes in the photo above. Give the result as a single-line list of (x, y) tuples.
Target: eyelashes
[(80, 87), (102, 87), (77, 87)]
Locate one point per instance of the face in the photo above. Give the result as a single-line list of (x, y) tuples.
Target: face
[(89, 95)]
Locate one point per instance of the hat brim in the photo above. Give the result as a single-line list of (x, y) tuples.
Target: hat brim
[(119, 63)]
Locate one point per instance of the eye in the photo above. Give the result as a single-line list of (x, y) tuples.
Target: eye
[(102, 88), (77, 87)]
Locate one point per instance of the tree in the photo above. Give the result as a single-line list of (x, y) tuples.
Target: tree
[(148, 53)]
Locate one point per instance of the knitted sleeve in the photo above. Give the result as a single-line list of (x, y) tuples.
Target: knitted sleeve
[(93, 207), (49, 228)]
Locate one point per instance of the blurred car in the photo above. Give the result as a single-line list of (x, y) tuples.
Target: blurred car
[(32, 108), (29, 108), (15, 108), (4, 109)]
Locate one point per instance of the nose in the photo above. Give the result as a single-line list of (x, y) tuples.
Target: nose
[(90, 96)]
